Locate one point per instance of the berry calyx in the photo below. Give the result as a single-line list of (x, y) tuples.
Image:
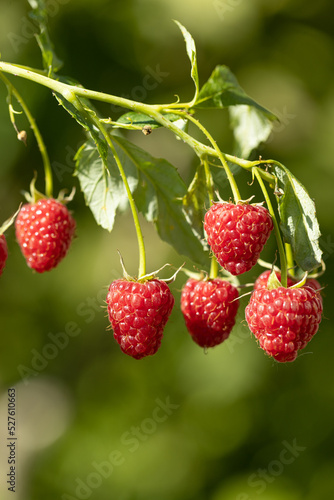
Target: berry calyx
[(237, 234), (262, 280), (138, 313), (3, 252), (44, 231), (284, 320), (209, 309)]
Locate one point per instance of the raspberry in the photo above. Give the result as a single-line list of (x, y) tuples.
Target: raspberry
[(209, 309), (262, 280), (3, 252), (44, 231), (284, 319), (237, 234), (138, 313)]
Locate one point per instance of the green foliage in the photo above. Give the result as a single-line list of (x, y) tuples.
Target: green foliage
[(223, 90), (135, 120), (298, 220), (39, 14), (157, 188), (191, 51), (250, 126)]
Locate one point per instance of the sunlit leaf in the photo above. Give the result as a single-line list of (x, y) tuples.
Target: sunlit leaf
[(139, 120), (40, 16), (223, 89), (101, 183), (299, 223), (191, 51), (251, 127)]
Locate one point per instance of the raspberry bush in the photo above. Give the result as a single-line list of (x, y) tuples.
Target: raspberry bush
[(209, 221)]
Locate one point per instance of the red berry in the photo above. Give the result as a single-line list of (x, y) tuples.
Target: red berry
[(262, 280), (284, 319), (237, 234), (44, 231), (3, 252), (209, 309), (138, 313)]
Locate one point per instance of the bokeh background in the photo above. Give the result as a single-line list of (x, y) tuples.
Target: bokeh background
[(228, 425)]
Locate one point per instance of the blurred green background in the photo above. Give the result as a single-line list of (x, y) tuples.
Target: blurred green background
[(92, 422)]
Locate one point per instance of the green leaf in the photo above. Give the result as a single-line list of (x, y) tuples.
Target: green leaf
[(191, 51), (156, 186), (40, 16), (222, 90), (101, 183), (139, 120), (158, 196), (251, 126), (195, 201), (299, 223)]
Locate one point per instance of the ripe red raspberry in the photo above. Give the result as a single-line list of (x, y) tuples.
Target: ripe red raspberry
[(237, 234), (44, 231), (284, 319), (138, 313), (209, 309), (262, 280), (3, 252)]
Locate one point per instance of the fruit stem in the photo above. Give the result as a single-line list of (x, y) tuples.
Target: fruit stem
[(214, 268), (289, 258), (39, 139), (140, 238), (142, 255), (230, 177), (284, 274)]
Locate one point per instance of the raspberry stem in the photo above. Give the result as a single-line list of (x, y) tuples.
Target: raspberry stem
[(289, 258), (142, 254), (284, 273), (230, 177), (214, 268), (39, 139)]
